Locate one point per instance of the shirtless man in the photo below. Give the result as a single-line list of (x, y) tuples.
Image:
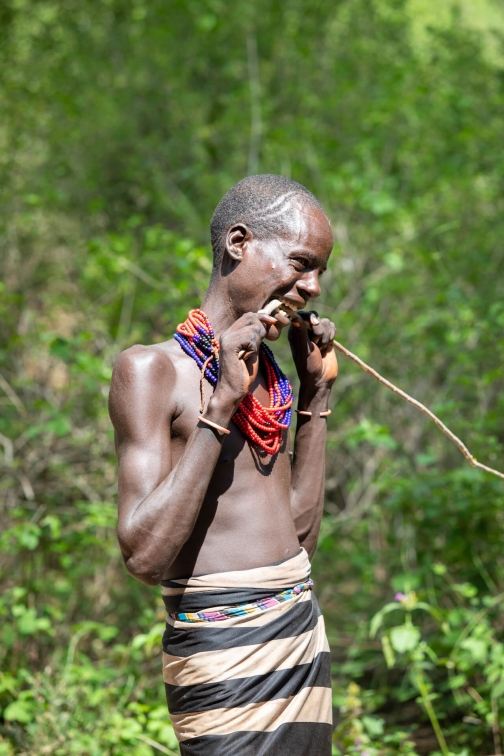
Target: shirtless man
[(225, 528)]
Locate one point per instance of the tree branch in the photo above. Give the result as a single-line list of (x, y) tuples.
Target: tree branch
[(458, 443)]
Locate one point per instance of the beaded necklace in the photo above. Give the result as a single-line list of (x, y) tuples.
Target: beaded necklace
[(263, 426)]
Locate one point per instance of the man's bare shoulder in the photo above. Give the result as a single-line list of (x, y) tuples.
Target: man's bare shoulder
[(139, 362), (142, 375)]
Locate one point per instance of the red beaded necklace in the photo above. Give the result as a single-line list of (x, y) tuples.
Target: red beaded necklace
[(263, 426)]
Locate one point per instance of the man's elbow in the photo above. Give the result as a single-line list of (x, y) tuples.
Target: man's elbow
[(310, 546), (140, 563), (307, 537), (142, 570)]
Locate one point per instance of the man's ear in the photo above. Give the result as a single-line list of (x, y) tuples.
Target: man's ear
[(236, 240)]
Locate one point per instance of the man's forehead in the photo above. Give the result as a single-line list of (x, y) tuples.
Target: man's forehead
[(308, 225)]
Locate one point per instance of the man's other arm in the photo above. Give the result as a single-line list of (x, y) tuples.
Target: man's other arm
[(317, 368)]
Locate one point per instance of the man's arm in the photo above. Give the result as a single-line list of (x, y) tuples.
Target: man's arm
[(159, 503), (317, 368)]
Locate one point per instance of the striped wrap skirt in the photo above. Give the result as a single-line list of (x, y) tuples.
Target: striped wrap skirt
[(246, 663)]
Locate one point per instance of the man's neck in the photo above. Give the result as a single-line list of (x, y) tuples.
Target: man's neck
[(219, 309)]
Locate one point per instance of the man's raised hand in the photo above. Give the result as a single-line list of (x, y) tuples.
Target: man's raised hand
[(311, 340), (237, 375)]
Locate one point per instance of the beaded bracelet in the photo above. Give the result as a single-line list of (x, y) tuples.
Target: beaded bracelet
[(213, 425), (309, 414)]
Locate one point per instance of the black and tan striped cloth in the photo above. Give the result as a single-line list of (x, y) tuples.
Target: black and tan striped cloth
[(255, 683)]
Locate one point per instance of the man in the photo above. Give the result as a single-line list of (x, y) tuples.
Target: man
[(214, 505)]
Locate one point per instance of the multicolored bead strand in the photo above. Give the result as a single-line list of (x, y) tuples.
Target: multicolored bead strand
[(263, 426)]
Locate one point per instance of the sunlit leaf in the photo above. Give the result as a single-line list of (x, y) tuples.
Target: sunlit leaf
[(404, 638)]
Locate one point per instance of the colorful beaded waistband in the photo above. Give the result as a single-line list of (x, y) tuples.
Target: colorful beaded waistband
[(242, 609)]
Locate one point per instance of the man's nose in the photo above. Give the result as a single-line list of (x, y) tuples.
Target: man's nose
[(309, 283)]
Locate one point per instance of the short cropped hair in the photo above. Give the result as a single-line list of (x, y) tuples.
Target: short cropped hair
[(262, 203)]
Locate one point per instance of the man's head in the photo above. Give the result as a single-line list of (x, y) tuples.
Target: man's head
[(263, 204), (271, 239)]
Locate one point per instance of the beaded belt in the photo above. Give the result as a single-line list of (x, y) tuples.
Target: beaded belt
[(242, 609)]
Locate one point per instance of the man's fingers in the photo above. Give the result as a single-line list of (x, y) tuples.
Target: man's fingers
[(321, 331), (282, 319), (329, 331), (315, 325), (311, 321), (266, 319), (248, 340), (248, 345), (251, 319), (309, 316)]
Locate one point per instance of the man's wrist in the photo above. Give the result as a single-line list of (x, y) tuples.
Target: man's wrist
[(314, 399), (220, 410)]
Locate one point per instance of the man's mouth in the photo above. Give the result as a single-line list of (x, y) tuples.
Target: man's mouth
[(281, 306)]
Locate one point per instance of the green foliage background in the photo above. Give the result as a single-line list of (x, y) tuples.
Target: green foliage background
[(122, 124)]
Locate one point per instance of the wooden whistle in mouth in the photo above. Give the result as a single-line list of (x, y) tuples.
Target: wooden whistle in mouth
[(270, 309)]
